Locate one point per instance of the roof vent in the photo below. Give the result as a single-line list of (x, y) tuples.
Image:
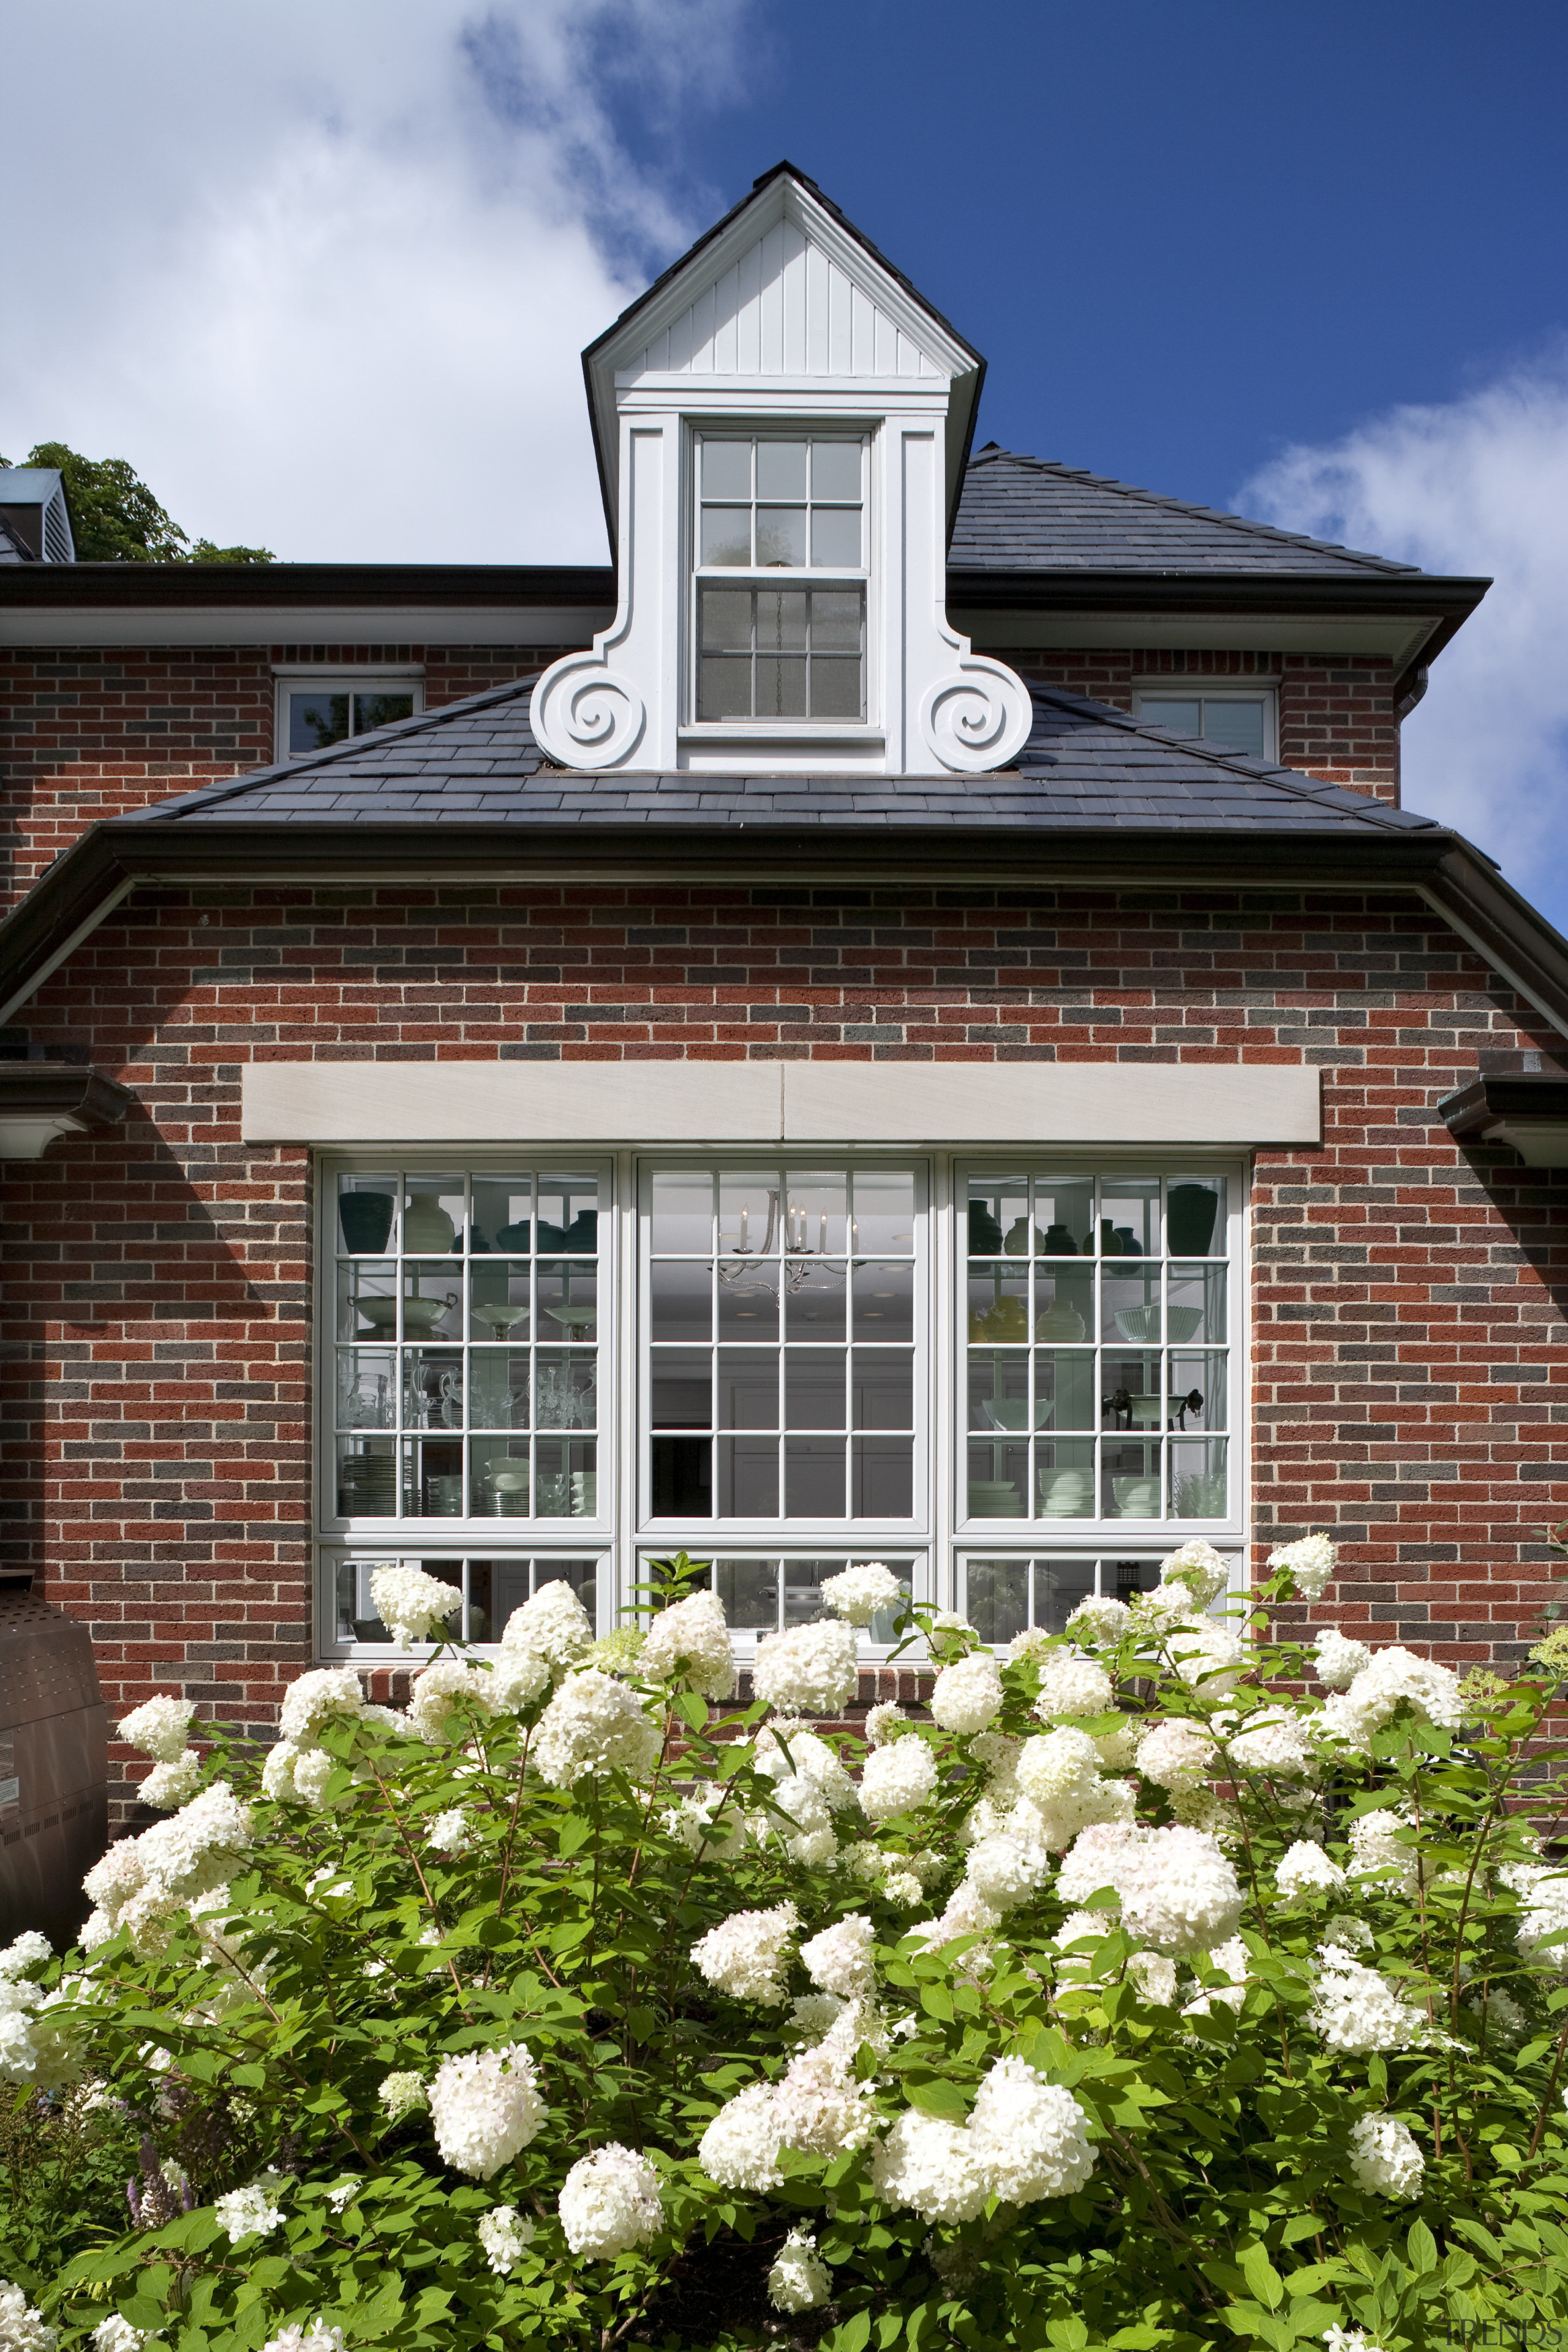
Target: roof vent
[(34, 522)]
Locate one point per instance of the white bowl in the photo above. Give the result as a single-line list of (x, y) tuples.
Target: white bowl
[(1138, 1324), (420, 1315)]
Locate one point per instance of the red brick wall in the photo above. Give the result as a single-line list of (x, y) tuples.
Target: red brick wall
[(158, 1343), (1336, 712), (88, 733)]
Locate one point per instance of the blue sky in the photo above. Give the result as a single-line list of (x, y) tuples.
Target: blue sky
[(1307, 260)]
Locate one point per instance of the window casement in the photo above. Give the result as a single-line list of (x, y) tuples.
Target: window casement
[(1243, 720), (319, 707), (1015, 1381), (768, 650)]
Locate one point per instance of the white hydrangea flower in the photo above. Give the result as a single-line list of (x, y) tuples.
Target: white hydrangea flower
[(1271, 1741), (1311, 1561), (1233, 1960), (409, 1603), (860, 1591), (1339, 1659), (160, 1727), (746, 1955), (1174, 1751), (902, 1889), (1384, 2158), (968, 1694), (1155, 1978), (23, 2327), (594, 1724), (341, 2195), (402, 2095), (1356, 2011), (1100, 1622), (516, 1679), (443, 1687), (297, 1776), (315, 2336), (839, 1959), (1071, 1684), (783, 1748), (554, 1625), (799, 2279), (998, 1754), (819, 2107), (1177, 1888), (1544, 1897), (30, 1950), (1029, 2135), (739, 2148), (1395, 1676), (1377, 1850), (174, 1861), (1035, 1642), (949, 1635), (690, 1644), (251, 2212), (1346, 1935), (1198, 1569), (691, 1824), (1305, 1869), (316, 1698), (932, 2167), (1057, 1765), (505, 2237), (897, 1778), (807, 1669), (966, 1914), (452, 1833), (884, 1722), (1206, 1656), (610, 2202), (172, 1784), (1094, 1858), (486, 2106), (1349, 2339), (1007, 1868), (111, 2335)]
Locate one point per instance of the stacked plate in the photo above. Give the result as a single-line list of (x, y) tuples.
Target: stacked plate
[(1067, 1494), (370, 1486), (994, 1498), (1136, 1498)]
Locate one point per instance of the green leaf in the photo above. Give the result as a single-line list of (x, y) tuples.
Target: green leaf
[(1262, 2277), (936, 2098), (855, 2333), (574, 1833), (1422, 2248)]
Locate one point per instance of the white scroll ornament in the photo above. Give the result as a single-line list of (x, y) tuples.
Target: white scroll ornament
[(585, 714), (976, 717)]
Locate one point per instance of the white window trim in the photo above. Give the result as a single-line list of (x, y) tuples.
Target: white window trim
[(938, 1541), (755, 733), (365, 678), (1188, 690)]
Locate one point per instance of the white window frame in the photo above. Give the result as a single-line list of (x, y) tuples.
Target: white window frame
[(939, 1541), (1185, 690), (362, 679), (755, 728)]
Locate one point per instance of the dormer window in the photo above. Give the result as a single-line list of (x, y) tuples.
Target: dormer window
[(764, 651)]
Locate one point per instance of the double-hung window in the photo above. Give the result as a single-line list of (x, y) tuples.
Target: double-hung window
[(1240, 721), (779, 579), (1015, 1381)]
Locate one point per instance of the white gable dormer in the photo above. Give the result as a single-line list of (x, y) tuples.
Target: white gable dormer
[(781, 425)]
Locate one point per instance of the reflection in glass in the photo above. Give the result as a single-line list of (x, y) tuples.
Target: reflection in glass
[(682, 1211), (1198, 1480), (1197, 1304), (996, 1597)]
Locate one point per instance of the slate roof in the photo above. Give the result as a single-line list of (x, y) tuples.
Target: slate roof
[(1028, 514), (477, 762)]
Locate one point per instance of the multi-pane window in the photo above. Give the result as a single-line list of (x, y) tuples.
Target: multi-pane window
[(767, 650), (1097, 1338), (315, 716), (1240, 721), (781, 1315), (491, 1589), (1015, 1380), (468, 1345)]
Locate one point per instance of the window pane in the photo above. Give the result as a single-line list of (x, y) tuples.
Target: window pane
[(836, 469), (727, 469), (1059, 1586), (749, 1477), (816, 1307), (836, 620), (1065, 1391), (726, 620), (1064, 1216), (884, 1211), (727, 535), (500, 1391), (724, 686), (748, 1388), (836, 535), (836, 686), (1237, 725), (381, 709), (814, 1211), (1197, 1302), (780, 685), (996, 1597), (1195, 1217), (316, 720), (749, 1590), (883, 1385), (884, 1302), (682, 1478), (681, 1387), (996, 1476), (781, 620), (882, 1478), (996, 1204), (814, 1477), (682, 1202), (1198, 1481), (748, 1301), (1180, 715), (681, 1302), (781, 535), (781, 469), (1064, 1479), (813, 1388), (1128, 1217)]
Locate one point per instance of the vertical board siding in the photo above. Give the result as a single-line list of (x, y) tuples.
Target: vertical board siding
[(785, 309)]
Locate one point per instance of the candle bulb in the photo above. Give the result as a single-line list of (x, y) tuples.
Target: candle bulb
[(821, 1236), (745, 1222)]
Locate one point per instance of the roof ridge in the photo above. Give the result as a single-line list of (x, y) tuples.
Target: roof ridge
[(1242, 763), (307, 763), (1053, 465)]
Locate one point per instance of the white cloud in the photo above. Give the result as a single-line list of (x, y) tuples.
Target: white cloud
[(1478, 485), (323, 273)]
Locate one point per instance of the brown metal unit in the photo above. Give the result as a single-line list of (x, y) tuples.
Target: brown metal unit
[(53, 1766)]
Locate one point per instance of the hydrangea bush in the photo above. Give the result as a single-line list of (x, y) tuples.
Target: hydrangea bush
[(1173, 1984)]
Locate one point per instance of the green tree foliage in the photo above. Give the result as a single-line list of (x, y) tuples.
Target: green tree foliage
[(115, 519)]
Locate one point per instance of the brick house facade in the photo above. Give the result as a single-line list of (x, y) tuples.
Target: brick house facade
[(442, 957)]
